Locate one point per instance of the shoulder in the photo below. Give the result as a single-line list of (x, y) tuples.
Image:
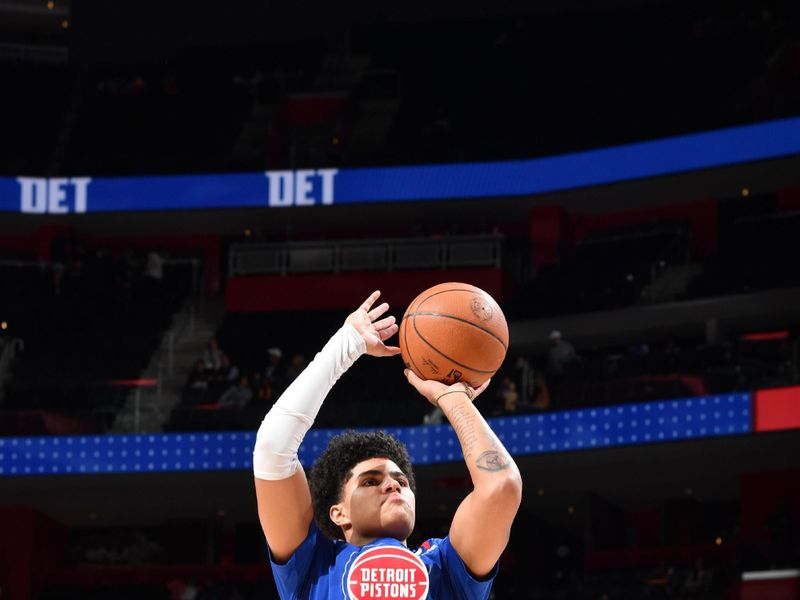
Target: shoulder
[(430, 549), (449, 575)]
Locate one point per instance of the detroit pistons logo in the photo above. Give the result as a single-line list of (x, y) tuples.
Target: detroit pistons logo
[(387, 572), (481, 309)]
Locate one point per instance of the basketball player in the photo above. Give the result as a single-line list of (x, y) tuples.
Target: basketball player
[(345, 537)]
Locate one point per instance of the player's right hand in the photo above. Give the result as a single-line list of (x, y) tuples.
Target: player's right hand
[(433, 390)]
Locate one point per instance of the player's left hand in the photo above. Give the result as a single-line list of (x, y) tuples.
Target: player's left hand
[(433, 390)]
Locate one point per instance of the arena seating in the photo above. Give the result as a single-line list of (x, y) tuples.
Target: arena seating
[(100, 323)]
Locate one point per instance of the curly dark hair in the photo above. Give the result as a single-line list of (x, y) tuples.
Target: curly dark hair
[(335, 466)]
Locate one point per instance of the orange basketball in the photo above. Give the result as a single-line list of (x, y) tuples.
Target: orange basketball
[(454, 332)]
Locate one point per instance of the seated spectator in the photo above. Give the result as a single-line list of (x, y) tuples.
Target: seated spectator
[(509, 395), (434, 417), (542, 395), (198, 379), (238, 395), (227, 373), (261, 387), (274, 373), (212, 355), (197, 384), (296, 366)]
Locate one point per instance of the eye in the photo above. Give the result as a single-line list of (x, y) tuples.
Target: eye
[(402, 481), (370, 481)]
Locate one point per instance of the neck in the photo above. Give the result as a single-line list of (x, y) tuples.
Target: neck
[(359, 540)]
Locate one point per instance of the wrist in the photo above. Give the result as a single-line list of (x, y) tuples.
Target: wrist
[(357, 343), (451, 397)]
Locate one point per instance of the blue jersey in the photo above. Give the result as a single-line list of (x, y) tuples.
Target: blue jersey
[(323, 569)]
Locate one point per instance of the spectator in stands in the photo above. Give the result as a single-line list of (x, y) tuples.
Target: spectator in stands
[(542, 395), (296, 366), (197, 385), (434, 417), (561, 358), (227, 373), (274, 373), (212, 355), (560, 355), (154, 267), (261, 388), (154, 280), (237, 396), (699, 581), (509, 395), (198, 379)]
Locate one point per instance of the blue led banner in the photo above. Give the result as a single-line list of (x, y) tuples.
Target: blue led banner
[(584, 429), (310, 187)]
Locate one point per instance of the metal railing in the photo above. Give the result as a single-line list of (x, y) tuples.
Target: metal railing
[(387, 254)]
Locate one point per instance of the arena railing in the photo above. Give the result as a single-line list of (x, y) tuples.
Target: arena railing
[(386, 254)]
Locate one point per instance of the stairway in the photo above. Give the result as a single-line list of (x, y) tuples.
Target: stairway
[(148, 408)]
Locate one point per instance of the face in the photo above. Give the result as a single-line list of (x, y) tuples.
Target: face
[(377, 502)]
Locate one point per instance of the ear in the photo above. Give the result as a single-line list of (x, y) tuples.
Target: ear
[(338, 514)]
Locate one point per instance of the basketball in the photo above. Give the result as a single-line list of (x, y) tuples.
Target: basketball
[(454, 332)]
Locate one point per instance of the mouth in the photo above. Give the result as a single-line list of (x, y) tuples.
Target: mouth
[(395, 497)]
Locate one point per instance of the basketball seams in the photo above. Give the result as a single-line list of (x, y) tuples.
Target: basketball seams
[(404, 340), (476, 291), (461, 320), (452, 360)]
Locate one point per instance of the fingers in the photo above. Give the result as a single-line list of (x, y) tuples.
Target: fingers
[(412, 378), (385, 328), (385, 334), (367, 304), (382, 350), (378, 311), (482, 387), (384, 323)]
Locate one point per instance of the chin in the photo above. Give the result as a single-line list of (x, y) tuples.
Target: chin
[(399, 528)]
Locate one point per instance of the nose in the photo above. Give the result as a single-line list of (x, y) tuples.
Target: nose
[(391, 485)]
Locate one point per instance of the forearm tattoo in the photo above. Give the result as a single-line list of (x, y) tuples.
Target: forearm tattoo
[(492, 460), (463, 422)]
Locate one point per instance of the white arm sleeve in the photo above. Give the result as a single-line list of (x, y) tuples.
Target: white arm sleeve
[(286, 424)]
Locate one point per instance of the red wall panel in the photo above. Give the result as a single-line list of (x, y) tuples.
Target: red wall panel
[(347, 290), (778, 408)]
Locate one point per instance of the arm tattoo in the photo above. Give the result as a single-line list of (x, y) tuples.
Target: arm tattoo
[(492, 460), (464, 425)]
